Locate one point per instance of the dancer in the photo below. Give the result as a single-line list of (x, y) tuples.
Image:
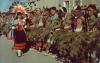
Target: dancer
[(19, 35)]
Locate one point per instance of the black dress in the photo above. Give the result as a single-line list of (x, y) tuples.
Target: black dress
[(20, 39)]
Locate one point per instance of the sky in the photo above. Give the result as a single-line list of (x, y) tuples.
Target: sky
[(4, 4)]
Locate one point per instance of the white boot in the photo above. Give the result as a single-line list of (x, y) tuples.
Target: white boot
[(99, 61), (19, 53)]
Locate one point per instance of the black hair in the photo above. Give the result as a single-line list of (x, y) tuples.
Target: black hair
[(17, 14), (78, 8), (64, 9), (92, 6), (53, 8), (47, 9)]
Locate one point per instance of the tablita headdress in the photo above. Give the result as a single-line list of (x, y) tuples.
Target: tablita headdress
[(18, 8)]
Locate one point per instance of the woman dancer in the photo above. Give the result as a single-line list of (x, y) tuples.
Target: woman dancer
[(19, 35)]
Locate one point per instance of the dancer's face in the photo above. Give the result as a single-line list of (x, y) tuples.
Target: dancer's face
[(20, 17)]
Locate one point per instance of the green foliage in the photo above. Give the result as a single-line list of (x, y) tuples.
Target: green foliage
[(77, 43)]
